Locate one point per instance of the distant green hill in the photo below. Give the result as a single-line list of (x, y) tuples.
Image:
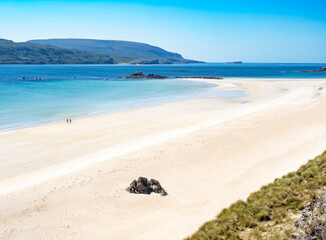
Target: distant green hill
[(30, 53), (142, 53), (84, 51)]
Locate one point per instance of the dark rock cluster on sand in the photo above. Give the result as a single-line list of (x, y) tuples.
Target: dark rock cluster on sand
[(140, 75), (312, 223), (322, 69), (145, 186)]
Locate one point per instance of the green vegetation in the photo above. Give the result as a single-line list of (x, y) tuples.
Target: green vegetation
[(139, 52), (29, 53), (270, 212)]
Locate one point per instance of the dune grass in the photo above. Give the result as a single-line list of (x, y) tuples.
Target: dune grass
[(270, 212)]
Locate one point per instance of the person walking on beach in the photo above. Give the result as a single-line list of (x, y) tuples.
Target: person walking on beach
[(70, 120), (67, 120)]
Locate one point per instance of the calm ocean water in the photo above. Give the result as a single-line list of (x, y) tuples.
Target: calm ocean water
[(24, 102)]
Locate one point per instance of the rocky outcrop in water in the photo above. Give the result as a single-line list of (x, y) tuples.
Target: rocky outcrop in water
[(312, 223), (140, 75), (235, 62), (201, 77), (322, 69), (145, 186)]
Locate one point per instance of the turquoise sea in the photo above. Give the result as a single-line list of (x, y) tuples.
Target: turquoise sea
[(74, 91)]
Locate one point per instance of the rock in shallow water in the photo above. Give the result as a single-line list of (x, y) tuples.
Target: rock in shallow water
[(140, 75), (145, 186)]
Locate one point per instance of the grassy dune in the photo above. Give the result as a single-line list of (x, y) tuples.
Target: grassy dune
[(270, 212)]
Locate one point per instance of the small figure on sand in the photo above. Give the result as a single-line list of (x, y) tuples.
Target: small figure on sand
[(67, 120), (70, 120)]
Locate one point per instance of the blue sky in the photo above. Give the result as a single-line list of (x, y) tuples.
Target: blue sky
[(215, 31)]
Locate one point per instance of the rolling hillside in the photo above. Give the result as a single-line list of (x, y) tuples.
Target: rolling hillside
[(30, 53), (143, 53)]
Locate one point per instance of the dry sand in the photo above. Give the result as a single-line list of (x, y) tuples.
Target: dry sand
[(67, 181)]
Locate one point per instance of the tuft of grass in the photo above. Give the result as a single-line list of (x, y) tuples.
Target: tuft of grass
[(270, 212)]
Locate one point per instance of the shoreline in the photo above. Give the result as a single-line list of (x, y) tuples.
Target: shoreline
[(65, 167), (80, 162), (140, 105), (206, 153), (211, 92)]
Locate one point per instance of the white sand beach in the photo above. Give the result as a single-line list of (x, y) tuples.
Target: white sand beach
[(67, 181)]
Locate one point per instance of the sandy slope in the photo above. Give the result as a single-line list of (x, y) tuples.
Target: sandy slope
[(206, 153)]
